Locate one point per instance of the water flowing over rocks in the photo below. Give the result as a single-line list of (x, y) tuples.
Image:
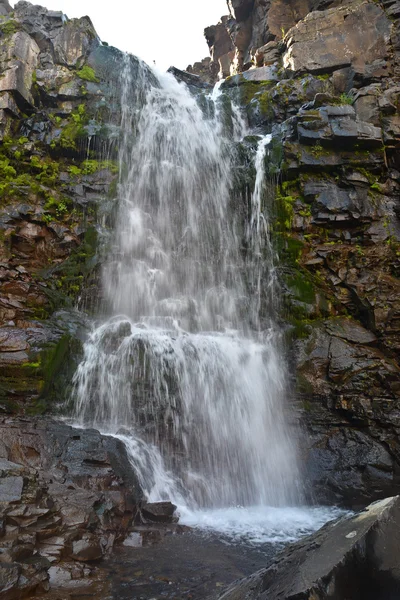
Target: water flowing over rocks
[(243, 263), (333, 115)]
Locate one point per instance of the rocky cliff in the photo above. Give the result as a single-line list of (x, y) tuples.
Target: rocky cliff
[(59, 120), (323, 78)]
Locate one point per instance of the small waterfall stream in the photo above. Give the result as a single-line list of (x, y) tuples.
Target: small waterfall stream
[(181, 369)]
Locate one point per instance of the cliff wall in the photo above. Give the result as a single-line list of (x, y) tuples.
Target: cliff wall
[(323, 77)]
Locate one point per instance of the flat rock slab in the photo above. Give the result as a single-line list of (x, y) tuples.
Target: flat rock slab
[(354, 557), (11, 489)]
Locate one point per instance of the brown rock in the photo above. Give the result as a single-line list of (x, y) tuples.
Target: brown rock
[(22, 61), (87, 549), (74, 41), (220, 45), (357, 34)]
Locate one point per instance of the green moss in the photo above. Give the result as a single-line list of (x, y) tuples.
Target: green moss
[(88, 74), (9, 27), (301, 287), (74, 130), (65, 280), (88, 167), (54, 370), (74, 171)]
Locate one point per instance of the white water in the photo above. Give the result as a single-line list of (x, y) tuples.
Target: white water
[(182, 370)]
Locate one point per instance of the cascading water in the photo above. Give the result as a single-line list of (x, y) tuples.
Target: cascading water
[(187, 377)]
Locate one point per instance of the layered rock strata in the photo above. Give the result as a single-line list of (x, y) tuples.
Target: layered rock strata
[(59, 119), (67, 496), (329, 93)]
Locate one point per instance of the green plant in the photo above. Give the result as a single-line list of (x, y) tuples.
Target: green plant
[(47, 218), (61, 209), (9, 27), (345, 99), (74, 171), (88, 74), (74, 130)]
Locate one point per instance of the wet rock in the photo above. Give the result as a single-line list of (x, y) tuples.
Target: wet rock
[(189, 78), (9, 576), (352, 557), (65, 494), (159, 511)]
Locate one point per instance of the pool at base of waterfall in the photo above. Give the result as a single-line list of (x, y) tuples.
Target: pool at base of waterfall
[(258, 525), (198, 558)]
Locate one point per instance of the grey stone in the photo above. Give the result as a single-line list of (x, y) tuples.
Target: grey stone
[(23, 54), (269, 73), (87, 549), (11, 489), (75, 41), (354, 557), (5, 7), (9, 576)]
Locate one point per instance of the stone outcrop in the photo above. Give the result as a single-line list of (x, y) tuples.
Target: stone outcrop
[(354, 557), (222, 52), (315, 36), (66, 497)]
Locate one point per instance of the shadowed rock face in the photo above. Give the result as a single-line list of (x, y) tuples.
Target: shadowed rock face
[(65, 495), (355, 557)]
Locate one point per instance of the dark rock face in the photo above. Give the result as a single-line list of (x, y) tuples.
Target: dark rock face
[(354, 557), (66, 495), (159, 512)]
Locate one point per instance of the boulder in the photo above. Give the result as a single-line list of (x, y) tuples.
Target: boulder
[(159, 511), (87, 549), (74, 42), (22, 61), (354, 557), (267, 73)]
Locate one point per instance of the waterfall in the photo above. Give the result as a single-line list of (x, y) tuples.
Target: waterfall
[(182, 369)]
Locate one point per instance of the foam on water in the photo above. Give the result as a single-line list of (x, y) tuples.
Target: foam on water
[(258, 525)]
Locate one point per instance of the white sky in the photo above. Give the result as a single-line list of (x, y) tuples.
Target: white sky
[(167, 31)]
